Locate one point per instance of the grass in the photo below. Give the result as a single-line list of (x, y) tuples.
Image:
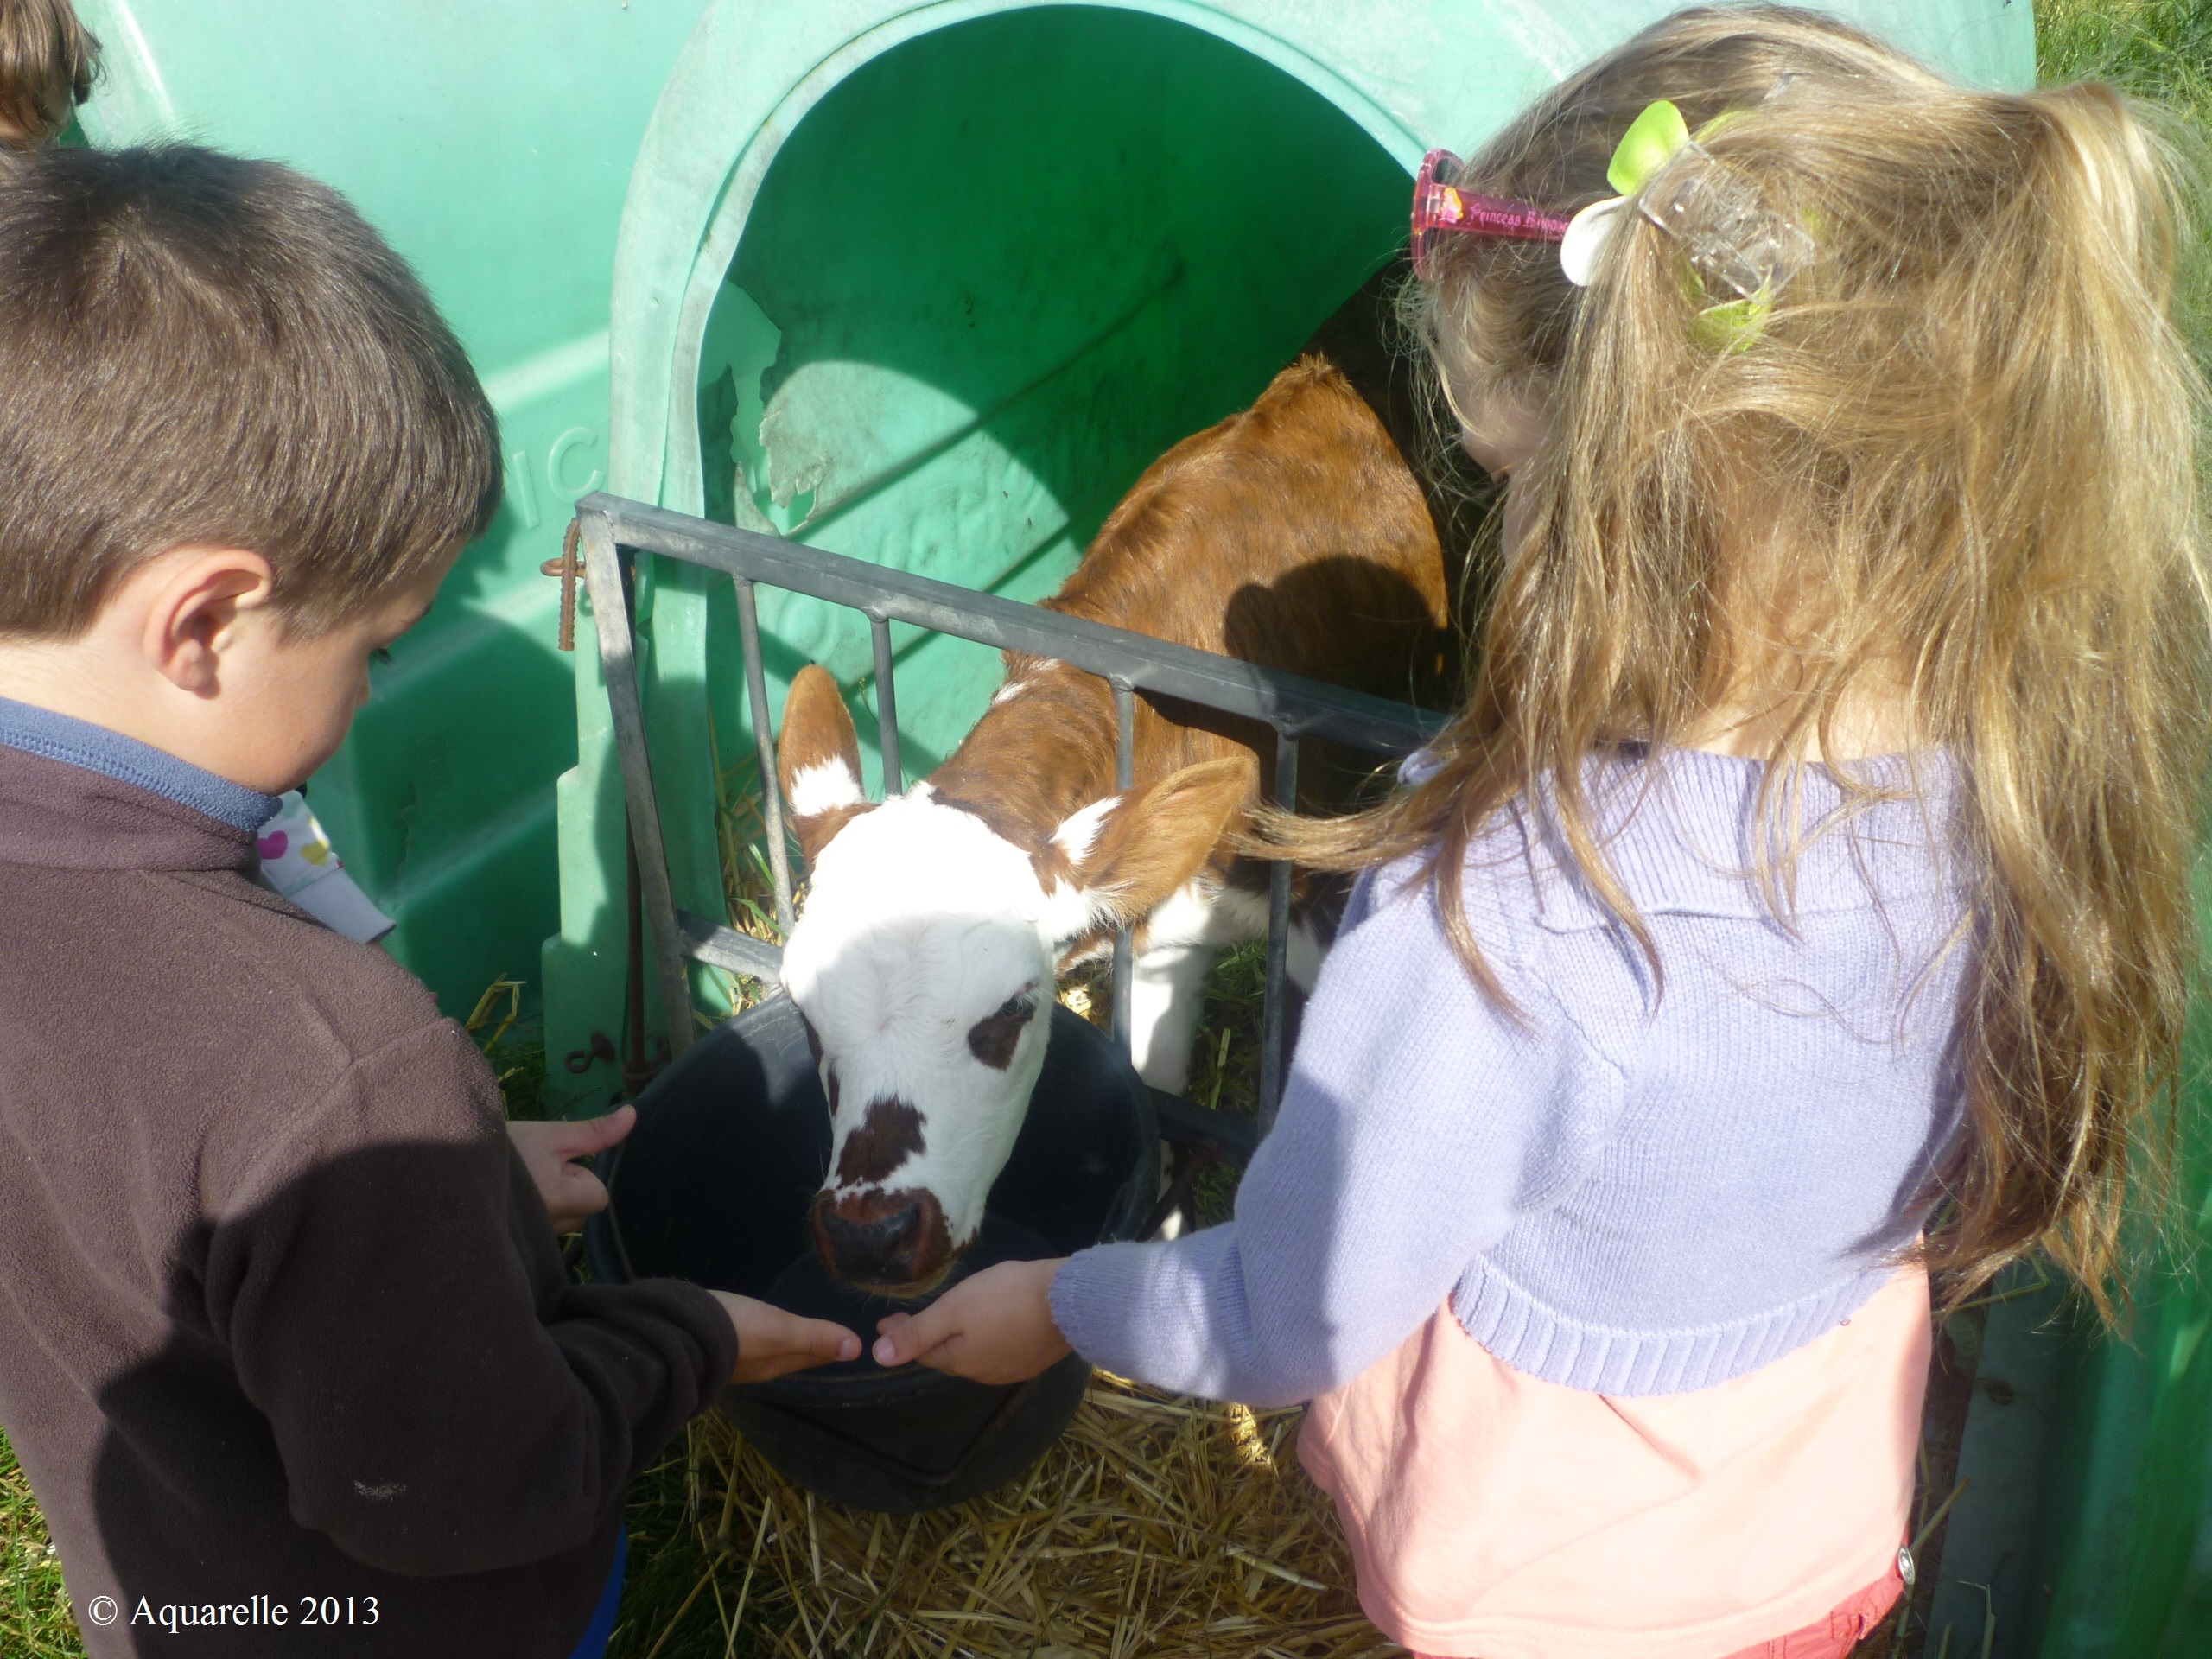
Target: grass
[(2159, 48), (34, 1615), (2155, 49), (513, 1041)]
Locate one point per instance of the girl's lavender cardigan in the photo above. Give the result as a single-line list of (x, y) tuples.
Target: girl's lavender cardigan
[(1641, 1186)]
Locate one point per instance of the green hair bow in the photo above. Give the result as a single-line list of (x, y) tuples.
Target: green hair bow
[(1730, 235)]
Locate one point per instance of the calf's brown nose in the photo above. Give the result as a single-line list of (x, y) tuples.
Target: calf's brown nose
[(890, 1239)]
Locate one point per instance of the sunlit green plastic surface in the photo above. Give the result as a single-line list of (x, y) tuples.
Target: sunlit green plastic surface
[(2124, 1567)]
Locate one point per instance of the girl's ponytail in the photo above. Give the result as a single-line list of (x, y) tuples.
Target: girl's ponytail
[(2079, 685)]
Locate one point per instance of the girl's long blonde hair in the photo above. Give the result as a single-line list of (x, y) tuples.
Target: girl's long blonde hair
[(1968, 431)]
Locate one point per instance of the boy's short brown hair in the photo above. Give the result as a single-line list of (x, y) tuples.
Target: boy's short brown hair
[(199, 349), (48, 61)]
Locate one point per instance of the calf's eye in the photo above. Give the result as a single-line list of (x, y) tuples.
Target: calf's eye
[(992, 1039)]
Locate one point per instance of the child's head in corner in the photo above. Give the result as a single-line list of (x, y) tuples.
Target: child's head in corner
[(242, 450), (48, 63), (1871, 426)]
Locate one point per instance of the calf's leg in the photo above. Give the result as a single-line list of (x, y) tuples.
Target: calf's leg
[(1166, 990)]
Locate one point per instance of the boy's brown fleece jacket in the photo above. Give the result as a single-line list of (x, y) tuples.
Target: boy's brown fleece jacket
[(282, 1319)]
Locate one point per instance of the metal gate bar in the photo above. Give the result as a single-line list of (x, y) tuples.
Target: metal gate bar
[(618, 660), (1125, 776), (613, 530), (771, 799), (1271, 1021)]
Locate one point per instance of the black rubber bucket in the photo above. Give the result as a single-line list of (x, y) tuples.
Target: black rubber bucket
[(713, 1185)]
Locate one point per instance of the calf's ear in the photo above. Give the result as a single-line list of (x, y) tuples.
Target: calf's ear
[(818, 761), (1145, 846)]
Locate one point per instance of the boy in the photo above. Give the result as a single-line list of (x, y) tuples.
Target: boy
[(48, 62), (283, 1330)]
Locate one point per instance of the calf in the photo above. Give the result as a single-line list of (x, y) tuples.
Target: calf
[(1293, 535)]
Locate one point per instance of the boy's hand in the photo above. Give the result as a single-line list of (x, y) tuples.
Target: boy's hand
[(996, 1327), (572, 1196), (772, 1343)]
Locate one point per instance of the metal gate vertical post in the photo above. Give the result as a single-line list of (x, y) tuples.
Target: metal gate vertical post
[(1125, 775), (1271, 1021), (610, 607), (764, 743), (887, 709)]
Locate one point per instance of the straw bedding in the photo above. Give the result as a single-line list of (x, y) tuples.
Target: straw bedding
[(1156, 1526)]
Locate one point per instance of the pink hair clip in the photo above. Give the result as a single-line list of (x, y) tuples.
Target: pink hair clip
[(1440, 207)]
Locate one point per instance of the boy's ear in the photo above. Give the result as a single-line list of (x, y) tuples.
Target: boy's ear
[(194, 597), (818, 761), (1144, 847)]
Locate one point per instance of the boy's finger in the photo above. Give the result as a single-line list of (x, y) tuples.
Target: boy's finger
[(583, 1193), (768, 1370), (592, 1134), (778, 1365), (821, 1340)]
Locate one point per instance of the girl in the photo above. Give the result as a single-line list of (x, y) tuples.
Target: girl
[(1800, 907)]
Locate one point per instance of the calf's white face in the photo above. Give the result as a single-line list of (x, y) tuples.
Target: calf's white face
[(923, 965)]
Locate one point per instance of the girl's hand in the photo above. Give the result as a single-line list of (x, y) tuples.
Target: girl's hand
[(996, 1327), (772, 1343), (572, 1196)]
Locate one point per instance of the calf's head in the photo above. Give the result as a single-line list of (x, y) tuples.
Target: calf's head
[(923, 965)]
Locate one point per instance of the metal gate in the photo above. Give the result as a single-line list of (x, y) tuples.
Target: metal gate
[(611, 531)]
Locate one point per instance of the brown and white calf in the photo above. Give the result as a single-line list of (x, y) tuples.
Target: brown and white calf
[(1293, 535)]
